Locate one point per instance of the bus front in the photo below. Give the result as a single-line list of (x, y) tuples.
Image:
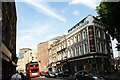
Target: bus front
[(34, 69)]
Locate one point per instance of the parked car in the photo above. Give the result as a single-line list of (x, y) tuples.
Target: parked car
[(83, 75), (60, 74), (63, 74), (50, 74), (42, 73), (46, 74)]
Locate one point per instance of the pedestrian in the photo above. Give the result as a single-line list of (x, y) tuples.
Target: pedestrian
[(16, 76), (22, 76)]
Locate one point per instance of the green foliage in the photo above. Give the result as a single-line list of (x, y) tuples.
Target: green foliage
[(109, 13)]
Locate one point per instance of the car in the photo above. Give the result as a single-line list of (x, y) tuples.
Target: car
[(42, 73), (50, 74), (97, 76), (46, 74), (60, 74), (83, 75), (63, 74)]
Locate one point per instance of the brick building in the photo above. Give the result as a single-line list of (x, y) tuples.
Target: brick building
[(42, 55), (8, 30)]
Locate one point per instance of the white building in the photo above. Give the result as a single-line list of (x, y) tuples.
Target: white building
[(28, 56)]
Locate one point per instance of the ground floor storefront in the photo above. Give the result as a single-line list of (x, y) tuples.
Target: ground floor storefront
[(90, 63), (8, 69), (8, 66)]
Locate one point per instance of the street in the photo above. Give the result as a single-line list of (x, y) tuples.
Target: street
[(60, 78), (110, 76)]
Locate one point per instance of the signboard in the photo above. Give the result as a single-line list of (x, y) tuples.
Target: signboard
[(91, 38)]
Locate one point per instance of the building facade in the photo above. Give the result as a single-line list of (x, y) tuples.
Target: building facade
[(23, 59), (61, 53), (28, 55), (87, 46), (20, 65), (42, 55), (52, 54), (46, 55), (8, 38)]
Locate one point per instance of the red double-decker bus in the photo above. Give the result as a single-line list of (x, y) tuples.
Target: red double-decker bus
[(32, 69)]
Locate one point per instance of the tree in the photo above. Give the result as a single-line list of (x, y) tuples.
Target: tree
[(109, 13)]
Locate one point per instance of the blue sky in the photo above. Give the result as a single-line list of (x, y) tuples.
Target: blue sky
[(40, 21)]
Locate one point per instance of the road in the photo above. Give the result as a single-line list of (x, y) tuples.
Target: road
[(60, 78)]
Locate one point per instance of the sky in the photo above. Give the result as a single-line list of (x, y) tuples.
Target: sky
[(40, 20)]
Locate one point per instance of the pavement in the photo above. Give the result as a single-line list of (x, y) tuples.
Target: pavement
[(113, 76)]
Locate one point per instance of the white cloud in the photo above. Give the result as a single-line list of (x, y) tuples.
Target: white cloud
[(35, 30), (45, 10), (35, 34), (76, 13), (29, 37), (89, 3)]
